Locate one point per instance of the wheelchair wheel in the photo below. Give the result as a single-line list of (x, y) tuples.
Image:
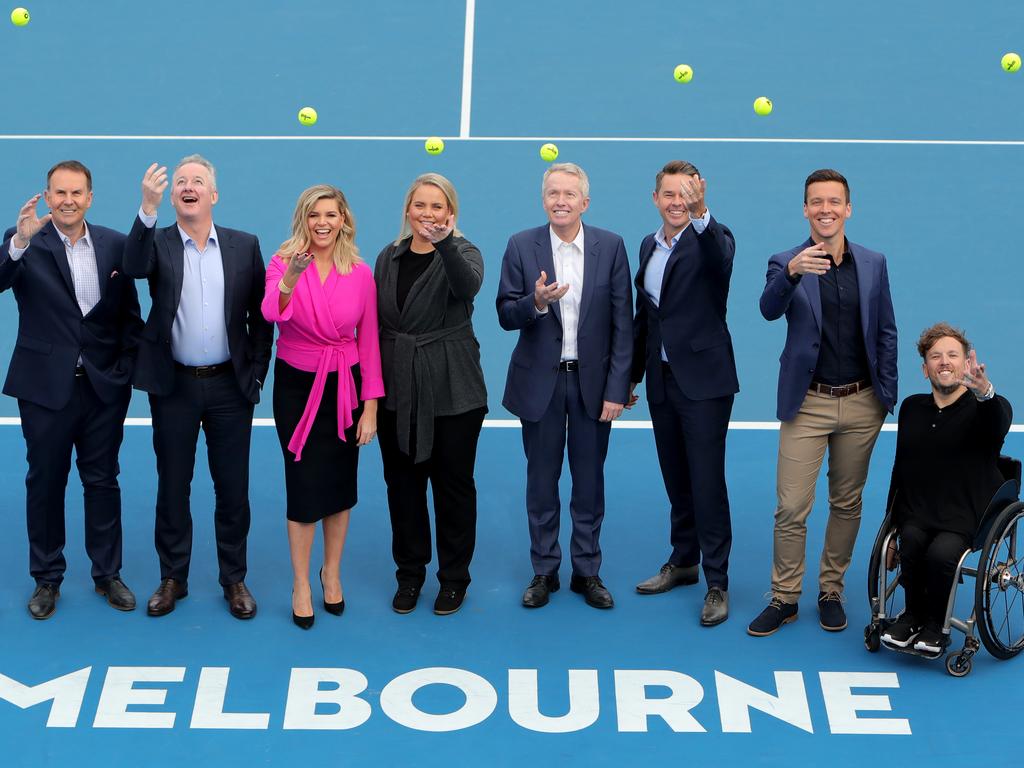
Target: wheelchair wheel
[(999, 589), (872, 638), (958, 665), (890, 604)]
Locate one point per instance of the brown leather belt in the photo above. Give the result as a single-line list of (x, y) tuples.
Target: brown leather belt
[(839, 391), (204, 371)]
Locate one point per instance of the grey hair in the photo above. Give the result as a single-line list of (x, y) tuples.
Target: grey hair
[(198, 160), (573, 170)]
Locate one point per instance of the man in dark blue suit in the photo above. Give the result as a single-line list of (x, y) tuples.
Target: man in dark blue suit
[(570, 366), (682, 342), (837, 380), (78, 323), (203, 357)]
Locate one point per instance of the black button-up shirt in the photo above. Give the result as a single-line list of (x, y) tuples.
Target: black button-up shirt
[(841, 357)]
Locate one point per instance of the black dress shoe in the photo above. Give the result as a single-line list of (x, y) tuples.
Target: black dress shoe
[(117, 593), (539, 591), (241, 603), (405, 598), (449, 600), (335, 609), (43, 602), (593, 591), (669, 577), (166, 595)]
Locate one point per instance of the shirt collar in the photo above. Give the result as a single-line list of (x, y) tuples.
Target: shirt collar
[(84, 238), (659, 237), (556, 241), (186, 238)]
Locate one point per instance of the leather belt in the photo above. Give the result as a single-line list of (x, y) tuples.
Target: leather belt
[(204, 371), (79, 370), (839, 391), (569, 365)]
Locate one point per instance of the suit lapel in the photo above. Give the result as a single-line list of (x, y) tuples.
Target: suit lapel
[(591, 254), (546, 263), (176, 256), (60, 257), (228, 256), (646, 250), (685, 238)]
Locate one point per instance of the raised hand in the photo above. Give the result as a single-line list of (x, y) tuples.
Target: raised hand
[(975, 378), (435, 233), (154, 182), (692, 189), (547, 294), (29, 222), (813, 260), (296, 266)]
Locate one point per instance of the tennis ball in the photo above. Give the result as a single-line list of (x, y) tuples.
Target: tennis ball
[(307, 116), (434, 145), (20, 17), (1011, 61), (683, 73), (548, 153), (763, 105)]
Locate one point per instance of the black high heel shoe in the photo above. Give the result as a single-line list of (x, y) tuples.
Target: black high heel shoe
[(335, 609), (303, 622)]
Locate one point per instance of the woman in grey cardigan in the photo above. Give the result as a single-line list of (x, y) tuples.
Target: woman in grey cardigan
[(435, 395)]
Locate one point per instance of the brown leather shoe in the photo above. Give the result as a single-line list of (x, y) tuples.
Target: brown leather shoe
[(166, 595), (241, 603)]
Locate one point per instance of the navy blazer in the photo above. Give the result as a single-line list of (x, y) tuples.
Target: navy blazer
[(690, 317), (159, 255), (53, 333), (801, 303), (604, 333)]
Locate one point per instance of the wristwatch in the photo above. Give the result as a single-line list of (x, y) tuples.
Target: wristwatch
[(988, 395)]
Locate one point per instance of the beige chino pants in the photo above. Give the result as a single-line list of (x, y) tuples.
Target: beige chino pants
[(848, 427)]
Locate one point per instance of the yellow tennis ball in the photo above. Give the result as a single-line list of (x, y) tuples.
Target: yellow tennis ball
[(1010, 61), (434, 145), (683, 73), (307, 116), (763, 105), (20, 17), (548, 153)]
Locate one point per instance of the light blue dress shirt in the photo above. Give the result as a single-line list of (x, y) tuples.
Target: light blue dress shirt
[(655, 272), (199, 334)]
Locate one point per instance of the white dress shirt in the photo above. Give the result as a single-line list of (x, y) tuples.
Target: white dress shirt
[(568, 259)]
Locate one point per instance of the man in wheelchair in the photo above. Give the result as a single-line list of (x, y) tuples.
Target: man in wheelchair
[(946, 472)]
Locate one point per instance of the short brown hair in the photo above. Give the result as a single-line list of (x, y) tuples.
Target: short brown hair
[(71, 165), (827, 174), (673, 167), (940, 331)]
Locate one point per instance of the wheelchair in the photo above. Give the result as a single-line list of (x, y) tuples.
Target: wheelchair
[(998, 609)]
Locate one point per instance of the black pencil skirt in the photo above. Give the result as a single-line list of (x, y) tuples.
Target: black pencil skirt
[(324, 481)]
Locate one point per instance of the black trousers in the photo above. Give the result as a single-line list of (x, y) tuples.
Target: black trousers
[(95, 430), (450, 473), (690, 438), (218, 406), (928, 559)]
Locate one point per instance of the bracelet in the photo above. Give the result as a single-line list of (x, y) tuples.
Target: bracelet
[(284, 288), (988, 395)]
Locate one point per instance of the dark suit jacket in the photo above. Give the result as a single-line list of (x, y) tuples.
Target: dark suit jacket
[(159, 255), (52, 333), (604, 332), (690, 318), (801, 303)]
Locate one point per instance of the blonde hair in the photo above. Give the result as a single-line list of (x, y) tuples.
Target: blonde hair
[(434, 180), (346, 253)]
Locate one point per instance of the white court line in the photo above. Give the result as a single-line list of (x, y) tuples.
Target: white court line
[(541, 139), (769, 426), (467, 70)]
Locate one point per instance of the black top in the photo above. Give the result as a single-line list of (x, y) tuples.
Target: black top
[(410, 266), (841, 357), (946, 467)]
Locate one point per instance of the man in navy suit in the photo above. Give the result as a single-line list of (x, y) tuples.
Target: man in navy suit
[(570, 365), (78, 322), (203, 357), (837, 380), (682, 342)]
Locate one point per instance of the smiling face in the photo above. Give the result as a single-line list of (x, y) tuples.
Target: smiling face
[(323, 225), (827, 208), (564, 202), (69, 197), (668, 199), (428, 205), (193, 194), (944, 365)]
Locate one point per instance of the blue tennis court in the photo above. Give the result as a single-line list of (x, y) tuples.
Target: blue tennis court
[(908, 100)]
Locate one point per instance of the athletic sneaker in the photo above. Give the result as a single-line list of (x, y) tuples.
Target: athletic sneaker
[(931, 640), (902, 632)]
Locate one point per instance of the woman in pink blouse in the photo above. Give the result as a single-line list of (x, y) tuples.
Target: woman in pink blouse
[(327, 379)]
